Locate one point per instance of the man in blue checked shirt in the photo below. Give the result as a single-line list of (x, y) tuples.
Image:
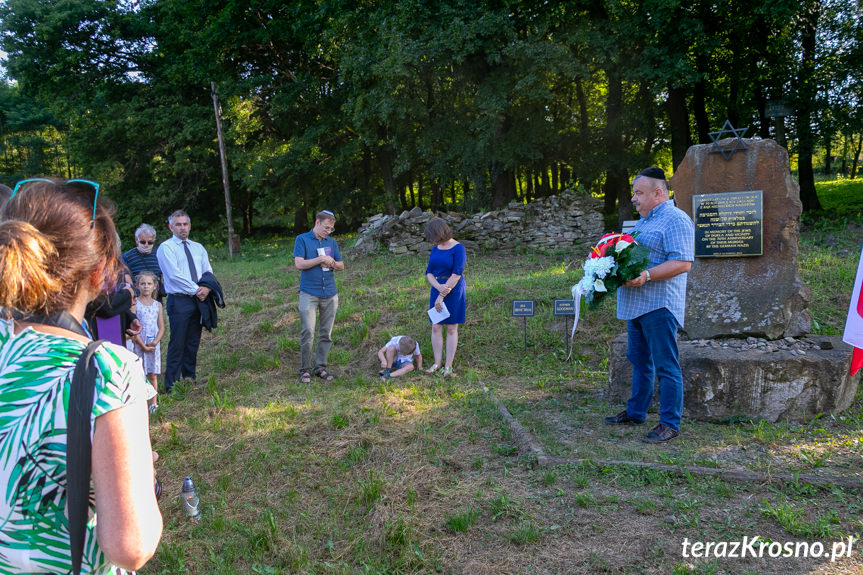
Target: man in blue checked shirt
[(653, 306), (317, 257)]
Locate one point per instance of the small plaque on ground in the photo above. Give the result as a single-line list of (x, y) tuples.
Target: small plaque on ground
[(522, 308), (564, 307)]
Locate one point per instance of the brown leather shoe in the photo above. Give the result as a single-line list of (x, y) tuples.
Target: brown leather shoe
[(622, 418), (660, 434)]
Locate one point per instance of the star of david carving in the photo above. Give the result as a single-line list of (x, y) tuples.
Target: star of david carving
[(739, 144)]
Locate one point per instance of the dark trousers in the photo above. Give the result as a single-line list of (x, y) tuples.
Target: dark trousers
[(185, 320)]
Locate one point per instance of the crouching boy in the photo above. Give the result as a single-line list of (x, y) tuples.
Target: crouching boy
[(398, 356)]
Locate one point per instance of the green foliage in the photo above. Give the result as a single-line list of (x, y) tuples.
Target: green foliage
[(384, 106)]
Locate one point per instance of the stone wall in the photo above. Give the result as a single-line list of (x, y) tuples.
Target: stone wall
[(547, 223)]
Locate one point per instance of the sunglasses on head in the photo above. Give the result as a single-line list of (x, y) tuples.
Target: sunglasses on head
[(92, 184)]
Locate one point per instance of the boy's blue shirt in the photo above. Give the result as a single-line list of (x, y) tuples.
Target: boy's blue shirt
[(315, 281)]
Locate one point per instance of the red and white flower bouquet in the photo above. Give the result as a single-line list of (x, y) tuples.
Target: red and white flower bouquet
[(615, 260)]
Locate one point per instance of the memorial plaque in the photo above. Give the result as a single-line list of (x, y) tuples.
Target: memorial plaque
[(522, 308), (564, 307), (728, 225)]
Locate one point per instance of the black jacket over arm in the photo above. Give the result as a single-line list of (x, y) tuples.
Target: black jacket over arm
[(215, 298)]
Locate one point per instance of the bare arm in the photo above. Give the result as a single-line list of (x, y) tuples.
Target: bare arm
[(130, 524), (446, 287), (160, 323), (663, 271), (305, 264)]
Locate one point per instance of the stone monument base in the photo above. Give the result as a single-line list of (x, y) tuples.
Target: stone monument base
[(782, 380)]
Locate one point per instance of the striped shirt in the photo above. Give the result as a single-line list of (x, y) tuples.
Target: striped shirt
[(669, 235), (138, 262)]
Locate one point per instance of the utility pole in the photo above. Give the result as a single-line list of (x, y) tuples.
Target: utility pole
[(233, 239)]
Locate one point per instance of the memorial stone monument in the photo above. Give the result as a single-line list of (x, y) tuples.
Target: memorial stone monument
[(744, 350)]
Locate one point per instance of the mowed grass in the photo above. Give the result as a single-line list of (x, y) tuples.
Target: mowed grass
[(421, 474)]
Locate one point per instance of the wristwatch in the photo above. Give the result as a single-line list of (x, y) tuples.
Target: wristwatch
[(648, 276)]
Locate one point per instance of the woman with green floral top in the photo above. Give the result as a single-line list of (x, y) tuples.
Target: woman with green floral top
[(57, 247)]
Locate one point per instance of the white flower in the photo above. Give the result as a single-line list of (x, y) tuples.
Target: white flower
[(598, 267), (621, 245), (599, 286)]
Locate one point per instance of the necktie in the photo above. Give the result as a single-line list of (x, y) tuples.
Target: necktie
[(192, 269)]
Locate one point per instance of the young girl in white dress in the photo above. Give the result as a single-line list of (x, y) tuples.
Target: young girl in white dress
[(146, 344)]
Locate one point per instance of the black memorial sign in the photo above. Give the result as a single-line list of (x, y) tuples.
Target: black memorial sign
[(728, 225)]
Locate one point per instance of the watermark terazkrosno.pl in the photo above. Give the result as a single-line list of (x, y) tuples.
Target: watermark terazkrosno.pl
[(758, 547)]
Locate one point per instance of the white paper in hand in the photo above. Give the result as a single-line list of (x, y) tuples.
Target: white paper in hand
[(438, 316)]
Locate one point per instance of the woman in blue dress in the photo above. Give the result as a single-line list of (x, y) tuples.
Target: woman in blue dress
[(444, 273)]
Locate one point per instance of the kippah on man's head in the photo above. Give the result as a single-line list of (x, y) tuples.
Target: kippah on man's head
[(653, 172)]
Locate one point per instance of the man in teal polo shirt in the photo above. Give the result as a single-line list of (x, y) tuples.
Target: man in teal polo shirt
[(317, 257)]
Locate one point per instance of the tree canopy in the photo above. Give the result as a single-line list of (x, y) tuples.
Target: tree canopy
[(361, 107)]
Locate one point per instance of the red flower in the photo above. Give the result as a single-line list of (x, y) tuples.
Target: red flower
[(605, 242)]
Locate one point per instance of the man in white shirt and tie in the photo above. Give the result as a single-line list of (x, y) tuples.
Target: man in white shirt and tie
[(182, 262)]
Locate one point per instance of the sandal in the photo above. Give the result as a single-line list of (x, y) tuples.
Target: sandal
[(433, 368), (448, 372), (305, 377), (325, 375)]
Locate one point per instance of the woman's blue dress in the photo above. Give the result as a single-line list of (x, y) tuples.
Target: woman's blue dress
[(442, 264)]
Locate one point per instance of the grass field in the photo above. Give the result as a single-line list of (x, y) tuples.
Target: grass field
[(422, 475)]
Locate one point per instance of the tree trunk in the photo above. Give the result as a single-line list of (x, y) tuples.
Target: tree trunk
[(436, 196), (503, 189), (828, 155), (615, 179), (854, 162), (582, 175), (699, 110), (367, 169), (519, 188), (420, 191), (733, 97), (301, 217), (805, 105), (503, 186), (465, 192), (678, 117), (529, 191), (845, 154), (555, 178), (385, 163), (543, 182)]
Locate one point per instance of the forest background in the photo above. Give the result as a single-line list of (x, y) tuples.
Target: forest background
[(361, 107)]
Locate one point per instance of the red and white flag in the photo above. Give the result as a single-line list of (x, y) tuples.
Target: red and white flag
[(854, 324)]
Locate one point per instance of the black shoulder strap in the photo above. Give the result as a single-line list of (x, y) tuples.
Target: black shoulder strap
[(78, 449)]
